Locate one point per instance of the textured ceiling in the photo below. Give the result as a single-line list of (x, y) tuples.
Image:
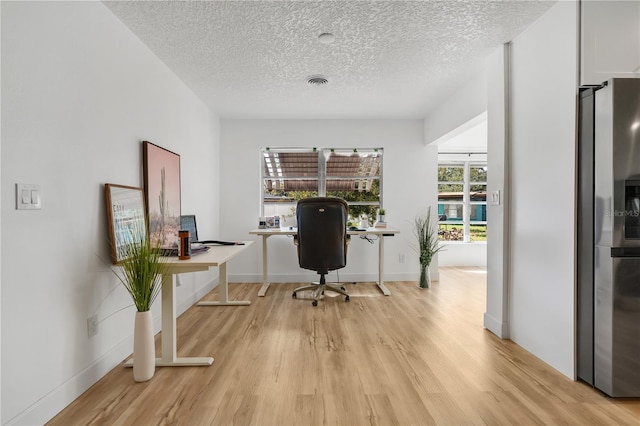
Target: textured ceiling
[(390, 59)]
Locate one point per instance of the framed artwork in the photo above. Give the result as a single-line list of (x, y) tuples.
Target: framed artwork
[(162, 191), (127, 218)]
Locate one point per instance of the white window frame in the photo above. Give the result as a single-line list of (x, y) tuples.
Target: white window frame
[(466, 196)]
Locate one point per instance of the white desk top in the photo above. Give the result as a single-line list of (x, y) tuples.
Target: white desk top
[(294, 231), (216, 256)]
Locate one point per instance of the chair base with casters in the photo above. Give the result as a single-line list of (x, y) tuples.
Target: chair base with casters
[(319, 288)]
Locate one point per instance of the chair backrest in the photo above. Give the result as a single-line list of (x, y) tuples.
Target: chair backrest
[(322, 233)]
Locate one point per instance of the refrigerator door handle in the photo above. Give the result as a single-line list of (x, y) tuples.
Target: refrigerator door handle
[(625, 251)]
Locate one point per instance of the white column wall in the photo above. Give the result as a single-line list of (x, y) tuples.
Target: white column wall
[(79, 93), (497, 309), (543, 96), (410, 173)]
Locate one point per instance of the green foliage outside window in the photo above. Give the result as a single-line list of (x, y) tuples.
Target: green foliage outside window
[(456, 174), (453, 232), (361, 196), (355, 211)]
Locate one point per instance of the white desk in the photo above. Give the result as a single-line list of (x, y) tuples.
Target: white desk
[(380, 232), (216, 256)]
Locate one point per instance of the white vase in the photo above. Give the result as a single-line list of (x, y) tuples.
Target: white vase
[(144, 351)]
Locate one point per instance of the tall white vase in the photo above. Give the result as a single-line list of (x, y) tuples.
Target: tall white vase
[(144, 351)]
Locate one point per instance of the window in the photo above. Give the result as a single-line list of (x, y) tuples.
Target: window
[(290, 174), (462, 201)]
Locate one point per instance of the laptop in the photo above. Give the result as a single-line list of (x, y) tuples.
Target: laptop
[(188, 222)]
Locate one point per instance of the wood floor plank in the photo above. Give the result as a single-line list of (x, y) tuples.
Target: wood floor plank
[(417, 357)]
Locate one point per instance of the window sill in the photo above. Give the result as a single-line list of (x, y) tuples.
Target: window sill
[(456, 243)]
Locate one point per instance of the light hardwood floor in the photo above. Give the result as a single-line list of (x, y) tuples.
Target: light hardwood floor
[(417, 357)]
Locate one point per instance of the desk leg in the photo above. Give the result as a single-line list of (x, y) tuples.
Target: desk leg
[(169, 346), (224, 292), (381, 285), (265, 284)]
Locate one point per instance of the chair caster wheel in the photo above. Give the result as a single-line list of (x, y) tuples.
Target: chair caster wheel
[(342, 288), (314, 303), (294, 295), (346, 298)]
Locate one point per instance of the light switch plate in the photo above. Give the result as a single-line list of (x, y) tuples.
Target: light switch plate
[(28, 197), (495, 198)]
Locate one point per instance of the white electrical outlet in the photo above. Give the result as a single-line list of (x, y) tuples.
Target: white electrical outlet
[(92, 325), (401, 257)]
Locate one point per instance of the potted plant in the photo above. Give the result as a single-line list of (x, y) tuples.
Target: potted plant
[(140, 273), (428, 245), (381, 214)]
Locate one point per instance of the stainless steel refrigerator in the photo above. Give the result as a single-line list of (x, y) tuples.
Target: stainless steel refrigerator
[(609, 237)]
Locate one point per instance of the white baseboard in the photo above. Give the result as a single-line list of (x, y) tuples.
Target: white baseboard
[(55, 401), (497, 327)]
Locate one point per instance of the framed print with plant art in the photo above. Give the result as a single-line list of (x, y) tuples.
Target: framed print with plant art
[(162, 190), (127, 218)]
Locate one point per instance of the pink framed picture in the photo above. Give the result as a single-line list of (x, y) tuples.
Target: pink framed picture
[(162, 193)]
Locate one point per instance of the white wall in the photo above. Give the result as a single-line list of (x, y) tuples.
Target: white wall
[(410, 173), (460, 107), (463, 254), (543, 84), (79, 93)]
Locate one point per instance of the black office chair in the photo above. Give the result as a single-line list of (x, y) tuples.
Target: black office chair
[(322, 241)]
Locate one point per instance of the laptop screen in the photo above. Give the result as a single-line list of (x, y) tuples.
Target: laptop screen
[(188, 222)]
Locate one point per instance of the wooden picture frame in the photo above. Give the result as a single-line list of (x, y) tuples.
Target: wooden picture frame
[(162, 193), (127, 218)]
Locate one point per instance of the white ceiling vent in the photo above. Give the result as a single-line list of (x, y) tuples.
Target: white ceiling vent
[(317, 80)]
